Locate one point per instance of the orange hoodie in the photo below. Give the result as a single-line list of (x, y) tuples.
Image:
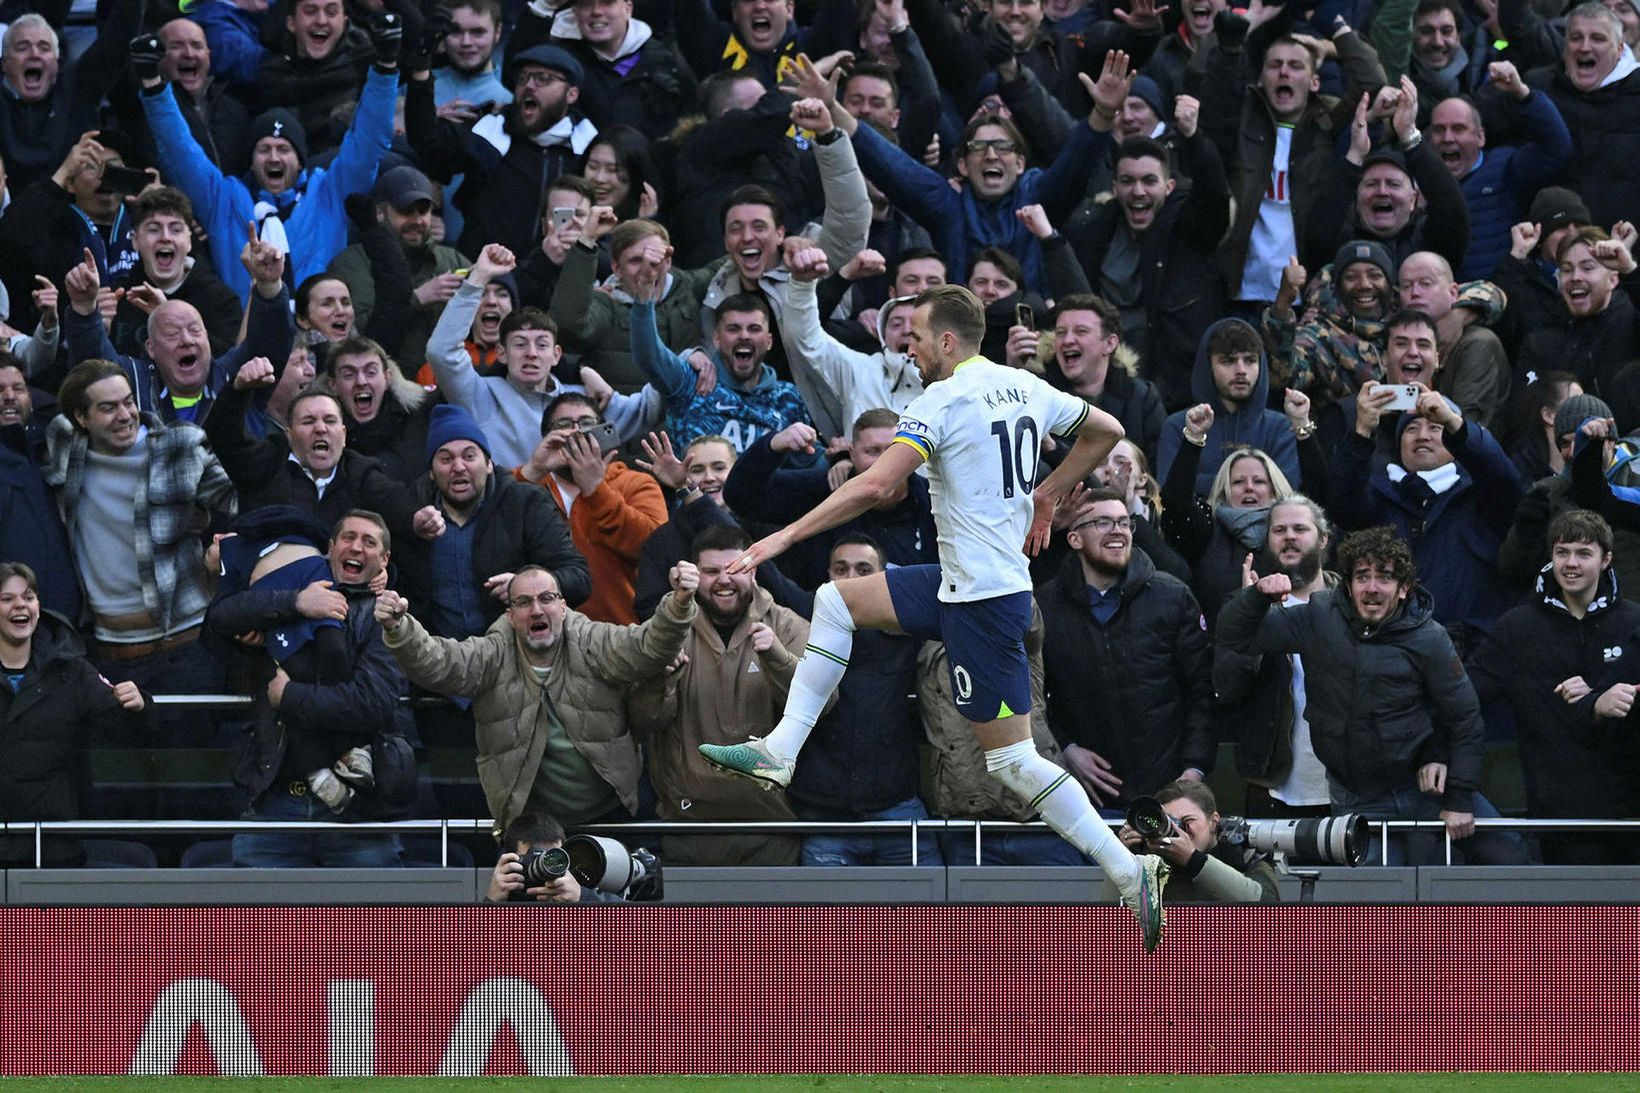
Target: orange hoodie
[(609, 526)]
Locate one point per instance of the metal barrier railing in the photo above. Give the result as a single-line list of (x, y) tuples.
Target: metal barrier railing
[(912, 828)]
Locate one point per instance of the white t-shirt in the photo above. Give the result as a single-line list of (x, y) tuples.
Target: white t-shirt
[(1273, 240), (981, 431)]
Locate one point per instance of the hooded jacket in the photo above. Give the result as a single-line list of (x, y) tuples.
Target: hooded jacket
[(856, 381), (1251, 426), (1574, 766), (1381, 700), (1138, 689), (1455, 535), (315, 222)]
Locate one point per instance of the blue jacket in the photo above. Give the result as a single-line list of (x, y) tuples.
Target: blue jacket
[(1505, 179), (1455, 539), (961, 223), (32, 530), (1253, 426), (234, 36), (315, 221), (740, 414)]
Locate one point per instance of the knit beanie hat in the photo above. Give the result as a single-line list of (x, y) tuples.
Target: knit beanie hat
[(1578, 409), (450, 422), (1364, 250), (280, 122), (1151, 92)]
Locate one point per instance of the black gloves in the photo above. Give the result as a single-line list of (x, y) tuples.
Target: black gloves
[(146, 53), (1231, 30), (387, 35)]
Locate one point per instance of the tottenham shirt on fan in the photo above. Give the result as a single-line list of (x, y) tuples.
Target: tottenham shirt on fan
[(981, 431), (1273, 240)]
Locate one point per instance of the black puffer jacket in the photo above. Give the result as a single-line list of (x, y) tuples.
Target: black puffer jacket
[(1136, 690), (1572, 767), (1381, 700), (43, 732), (1605, 127), (517, 524)]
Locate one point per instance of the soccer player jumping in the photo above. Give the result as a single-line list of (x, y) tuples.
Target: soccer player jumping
[(979, 426)]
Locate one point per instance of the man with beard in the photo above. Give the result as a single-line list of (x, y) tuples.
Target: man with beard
[(1595, 334), (1261, 698), (1597, 90), (1128, 662), (162, 231), (476, 529), (734, 674), (1392, 713), (1551, 659), (296, 205), (177, 377), (748, 401), (1451, 492), (404, 199), (548, 687), (1375, 193), (508, 159)]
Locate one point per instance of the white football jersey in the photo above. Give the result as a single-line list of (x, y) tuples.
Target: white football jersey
[(981, 431)]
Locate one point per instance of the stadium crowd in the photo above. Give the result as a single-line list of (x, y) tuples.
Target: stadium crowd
[(365, 349)]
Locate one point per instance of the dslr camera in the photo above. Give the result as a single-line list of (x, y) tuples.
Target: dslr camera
[(1327, 840), (597, 862)]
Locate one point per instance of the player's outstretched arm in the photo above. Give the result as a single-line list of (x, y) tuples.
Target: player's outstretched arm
[(857, 495), (1095, 437)]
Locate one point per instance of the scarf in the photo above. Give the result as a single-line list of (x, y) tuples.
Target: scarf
[(1248, 527), (1444, 80)]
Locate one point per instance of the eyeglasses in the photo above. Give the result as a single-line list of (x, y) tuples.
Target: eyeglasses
[(583, 423), (1107, 524), (1000, 147), (537, 77), (545, 599)]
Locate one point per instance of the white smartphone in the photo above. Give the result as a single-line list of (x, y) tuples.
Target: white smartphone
[(1406, 395)]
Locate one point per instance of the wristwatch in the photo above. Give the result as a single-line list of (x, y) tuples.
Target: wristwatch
[(1413, 139)]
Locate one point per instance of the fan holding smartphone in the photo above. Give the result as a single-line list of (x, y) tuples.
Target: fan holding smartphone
[(609, 506)]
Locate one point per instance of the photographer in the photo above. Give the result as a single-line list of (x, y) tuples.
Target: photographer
[(528, 833), (1205, 870)]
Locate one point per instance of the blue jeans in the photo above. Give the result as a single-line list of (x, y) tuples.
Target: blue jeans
[(1424, 847), (308, 849), (875, 848)]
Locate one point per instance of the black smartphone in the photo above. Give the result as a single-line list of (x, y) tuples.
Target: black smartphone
[(123, 180), (1024, 316)]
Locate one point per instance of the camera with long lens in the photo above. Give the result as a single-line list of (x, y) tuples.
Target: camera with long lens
[(1326, 840), (607, 865)]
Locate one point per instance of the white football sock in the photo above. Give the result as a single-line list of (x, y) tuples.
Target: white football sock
[(1063, 804), (825, 659)]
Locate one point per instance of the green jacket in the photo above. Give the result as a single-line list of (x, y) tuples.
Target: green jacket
[(352, 267), (599, 663), (596, 321)]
